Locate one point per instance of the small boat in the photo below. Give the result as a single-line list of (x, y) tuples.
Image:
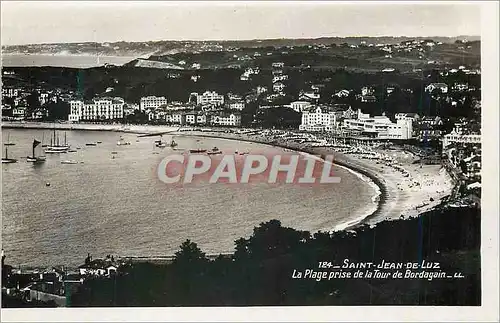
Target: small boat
[(244, 153), (33, 158), (6, 159), (122, 142), (70, 162), (78, 148), (160, 144), (214, 151), (114, 152), (9, 143), (99, 142), (47, 184), (91, 144), (173, 143), (197, 151)]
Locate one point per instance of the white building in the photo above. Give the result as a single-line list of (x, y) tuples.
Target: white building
[(318, 119), (309, 96), (280, 78), (232, 119), (367, 90), (175, 117), (342, 93), (455, 137), (209, 98), (407, 116), (98, 109), (299, 106), (380, 126), (261, 89), (10, 92), (236, 105), (18, 113), (441, 87), (152, 102), (278, 87)]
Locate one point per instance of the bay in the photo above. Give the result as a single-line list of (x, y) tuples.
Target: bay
[(119, 207)]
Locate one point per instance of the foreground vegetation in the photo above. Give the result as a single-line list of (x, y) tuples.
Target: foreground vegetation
[(260, 270)]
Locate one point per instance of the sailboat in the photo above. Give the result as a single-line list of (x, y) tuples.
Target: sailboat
[(6, 159), (55, 146), (8, 143), (33, 158), (43, 137)]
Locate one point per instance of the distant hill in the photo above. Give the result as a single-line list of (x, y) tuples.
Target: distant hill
[(145, 49)]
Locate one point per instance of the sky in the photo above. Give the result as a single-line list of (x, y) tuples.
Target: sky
[(108, 21)]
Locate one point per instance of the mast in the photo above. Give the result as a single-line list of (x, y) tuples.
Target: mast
[(6, 153), (64, 138), (33, 151)]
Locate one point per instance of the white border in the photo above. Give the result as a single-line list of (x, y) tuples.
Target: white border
[(489, 250)]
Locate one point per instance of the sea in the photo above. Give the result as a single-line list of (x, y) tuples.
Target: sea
[(114, 203), (73, 61)]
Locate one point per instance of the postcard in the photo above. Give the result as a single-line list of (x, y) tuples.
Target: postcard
[(242, 161)]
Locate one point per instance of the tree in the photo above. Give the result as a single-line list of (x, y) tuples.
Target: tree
[(33, 102), (138, 117), (189, 255), (57, 110)]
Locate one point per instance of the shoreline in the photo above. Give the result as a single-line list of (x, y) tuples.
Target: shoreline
[(392, 201), (379, 198)]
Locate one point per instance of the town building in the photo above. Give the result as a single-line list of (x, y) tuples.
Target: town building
[(309, 96), (380, 127), (367, 90), (407, 116), (278, 87), (18, 113), (10, 92), (368, 98), (459, 138), (97, 109), (342, 94), (299, 106), (209, 97), (236, 105), (226, 119), (318, 119), (439, 87), (152, 102), (261, 89)]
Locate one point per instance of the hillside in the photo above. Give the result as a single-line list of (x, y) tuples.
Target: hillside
[(144, 49)]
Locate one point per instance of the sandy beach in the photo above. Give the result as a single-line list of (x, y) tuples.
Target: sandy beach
[(402, 189)]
